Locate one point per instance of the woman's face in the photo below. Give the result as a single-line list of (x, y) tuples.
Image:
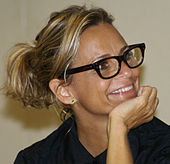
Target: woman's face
[(93, 94)]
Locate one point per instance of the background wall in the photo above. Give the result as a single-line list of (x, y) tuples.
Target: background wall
[(137, 20)]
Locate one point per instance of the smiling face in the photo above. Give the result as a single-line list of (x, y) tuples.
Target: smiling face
[(95, 95)]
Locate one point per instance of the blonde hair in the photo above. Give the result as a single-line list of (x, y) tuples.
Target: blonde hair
[(31, 66)]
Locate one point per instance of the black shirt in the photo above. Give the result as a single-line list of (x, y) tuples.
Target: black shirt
[(149, 143)]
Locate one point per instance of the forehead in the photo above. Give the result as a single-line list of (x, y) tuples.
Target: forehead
[(97, 41)]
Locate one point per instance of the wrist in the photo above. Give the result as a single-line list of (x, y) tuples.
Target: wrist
[(117, 124)]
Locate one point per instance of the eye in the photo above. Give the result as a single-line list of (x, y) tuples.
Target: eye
[(134, 57), (130, 55), (104, 65)]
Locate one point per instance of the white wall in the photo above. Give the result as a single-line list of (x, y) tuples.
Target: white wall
[(138, 21)]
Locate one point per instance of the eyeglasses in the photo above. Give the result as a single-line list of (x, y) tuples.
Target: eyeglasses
[(109, 67)]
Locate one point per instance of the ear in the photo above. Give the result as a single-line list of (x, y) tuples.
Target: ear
[(61, 91)]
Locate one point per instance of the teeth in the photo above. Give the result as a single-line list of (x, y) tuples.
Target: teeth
[(123, 89)]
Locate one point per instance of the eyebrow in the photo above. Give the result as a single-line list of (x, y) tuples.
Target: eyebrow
[(123, 49), (101, 57), (107, 55)]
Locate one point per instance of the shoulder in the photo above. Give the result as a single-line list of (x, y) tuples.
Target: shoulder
[(153, 130), (154, 126), (50, 146), (153, 142)]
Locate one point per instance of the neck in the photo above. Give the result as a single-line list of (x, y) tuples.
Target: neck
[(92, 132)]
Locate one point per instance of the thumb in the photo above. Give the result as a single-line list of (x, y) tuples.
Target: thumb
[(140, 91)]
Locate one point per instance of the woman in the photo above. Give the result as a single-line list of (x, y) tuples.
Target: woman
[(80, 64)]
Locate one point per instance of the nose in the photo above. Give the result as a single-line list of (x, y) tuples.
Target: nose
[(125, 71)]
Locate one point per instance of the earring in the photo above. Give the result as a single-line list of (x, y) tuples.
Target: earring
[(73, 101)]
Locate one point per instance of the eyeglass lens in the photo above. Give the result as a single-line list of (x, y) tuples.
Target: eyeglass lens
[(134, 57), (110, 67)]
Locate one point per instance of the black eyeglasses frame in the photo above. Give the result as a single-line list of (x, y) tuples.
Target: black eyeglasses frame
[(96, 64)]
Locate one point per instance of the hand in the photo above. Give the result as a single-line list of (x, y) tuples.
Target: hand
[(136, 111)]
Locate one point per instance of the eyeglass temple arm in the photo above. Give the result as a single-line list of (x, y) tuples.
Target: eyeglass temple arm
[(80, 69), (77, 70)]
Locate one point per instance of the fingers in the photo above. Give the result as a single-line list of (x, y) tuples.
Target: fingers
[(139, 110), (156, 103), (143, 96), (150, 114), (153, 96), (150, 108), (145, 92), (152, 111), (147, 95), (150, 102)]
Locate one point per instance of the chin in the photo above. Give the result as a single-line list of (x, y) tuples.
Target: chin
[(115, 100)]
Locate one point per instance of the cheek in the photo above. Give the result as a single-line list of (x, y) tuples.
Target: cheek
[(90, 91), (82, 86), (136, 73), (136, 78)]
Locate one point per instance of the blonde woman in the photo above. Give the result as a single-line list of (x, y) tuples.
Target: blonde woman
[(80, 64)]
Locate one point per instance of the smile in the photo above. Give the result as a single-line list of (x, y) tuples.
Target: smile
[(126, 89)]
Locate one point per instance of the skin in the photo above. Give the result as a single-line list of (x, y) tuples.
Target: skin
[(99, 112), (97, 98)]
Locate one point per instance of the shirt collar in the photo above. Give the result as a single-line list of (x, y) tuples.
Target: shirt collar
[(75, 151)]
